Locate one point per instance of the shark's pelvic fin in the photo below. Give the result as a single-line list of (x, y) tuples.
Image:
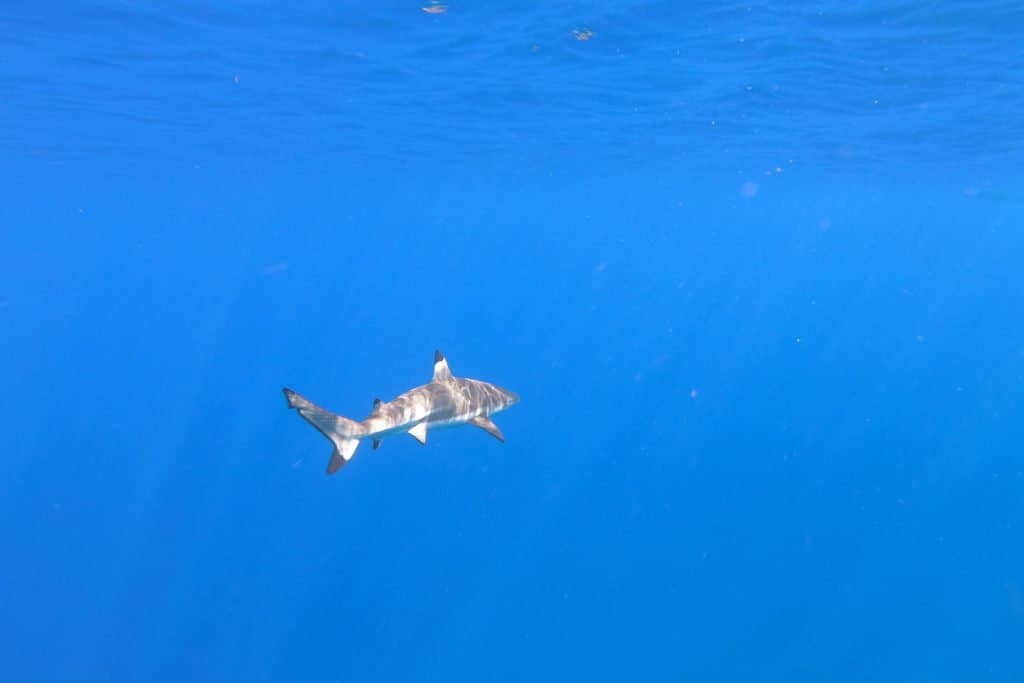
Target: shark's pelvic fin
[(419, 432), (343, 432), (486, 424), (441, 371)]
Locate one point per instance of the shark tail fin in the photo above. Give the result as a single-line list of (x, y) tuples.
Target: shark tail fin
[(343, 432)]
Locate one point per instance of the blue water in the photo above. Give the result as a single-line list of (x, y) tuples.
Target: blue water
[(755, 271)]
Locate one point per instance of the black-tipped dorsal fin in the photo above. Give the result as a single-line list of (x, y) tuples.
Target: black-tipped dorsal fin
[(377, 404), (441, 371)]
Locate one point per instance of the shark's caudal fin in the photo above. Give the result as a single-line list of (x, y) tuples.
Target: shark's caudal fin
[(343, 432)]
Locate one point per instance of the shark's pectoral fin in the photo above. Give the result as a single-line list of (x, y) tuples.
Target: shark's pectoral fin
[(486, 424), (376, 444), (419, 432)]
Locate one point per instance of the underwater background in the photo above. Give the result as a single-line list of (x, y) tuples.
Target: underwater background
[(754, 268)]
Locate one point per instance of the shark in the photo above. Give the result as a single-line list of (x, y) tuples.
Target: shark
[(446, 401)]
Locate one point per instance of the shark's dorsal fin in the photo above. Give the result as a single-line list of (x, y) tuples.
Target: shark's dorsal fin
[(419, 432), (486, 424), (441, 371), (376, 444)]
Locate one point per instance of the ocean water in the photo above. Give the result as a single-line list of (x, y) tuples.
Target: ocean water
[(754, 269)]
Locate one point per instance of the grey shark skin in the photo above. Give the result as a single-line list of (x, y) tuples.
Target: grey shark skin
[(446, 401)]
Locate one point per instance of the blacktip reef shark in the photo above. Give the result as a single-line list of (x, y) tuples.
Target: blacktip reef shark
[(447, 401)]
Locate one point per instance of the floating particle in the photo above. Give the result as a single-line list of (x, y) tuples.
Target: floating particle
[(435, 8), (582, 33)]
